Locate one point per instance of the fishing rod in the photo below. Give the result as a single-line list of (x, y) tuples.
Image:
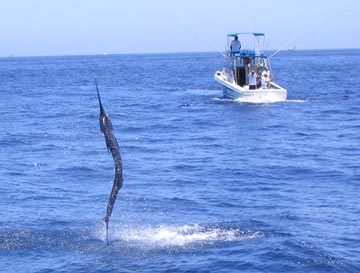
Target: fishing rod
[(308, 31), (197, 36)]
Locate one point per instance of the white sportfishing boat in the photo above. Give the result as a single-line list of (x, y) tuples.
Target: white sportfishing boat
[(247, 74)]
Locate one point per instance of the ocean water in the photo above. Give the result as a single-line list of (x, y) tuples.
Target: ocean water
[(210, 184)]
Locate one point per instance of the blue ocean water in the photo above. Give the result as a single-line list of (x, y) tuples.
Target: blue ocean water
[(210, 184)]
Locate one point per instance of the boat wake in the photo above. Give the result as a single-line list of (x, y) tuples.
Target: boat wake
[(301, 101), (247, 101), (270, 101)]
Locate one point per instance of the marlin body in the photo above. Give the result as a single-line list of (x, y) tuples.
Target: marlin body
[(112, 145)]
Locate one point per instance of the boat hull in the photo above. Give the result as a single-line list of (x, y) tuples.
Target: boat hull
[(233, 91)]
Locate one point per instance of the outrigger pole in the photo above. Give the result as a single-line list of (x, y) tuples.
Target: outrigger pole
[(197, 37), (308, 31)]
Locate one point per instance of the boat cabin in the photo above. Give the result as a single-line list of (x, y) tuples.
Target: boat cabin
[(249, 57)]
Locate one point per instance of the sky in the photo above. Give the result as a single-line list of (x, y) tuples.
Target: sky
[(82, 27)]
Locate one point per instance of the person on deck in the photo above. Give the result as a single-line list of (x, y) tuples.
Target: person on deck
[(235, 45), (252, 80), (267, 71), (265, 81)]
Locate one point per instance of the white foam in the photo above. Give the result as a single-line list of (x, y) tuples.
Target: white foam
[(170, 236), (223, 99), (298, 101), (202, 91), (240, 100)]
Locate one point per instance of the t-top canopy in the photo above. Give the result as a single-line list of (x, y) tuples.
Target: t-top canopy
[(243, 33)]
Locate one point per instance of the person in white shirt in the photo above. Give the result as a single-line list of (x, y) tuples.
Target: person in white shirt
[(252, 80), (265, 80), (267, 71), (235, 45)]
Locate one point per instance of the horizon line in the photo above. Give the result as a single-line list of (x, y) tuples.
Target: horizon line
[(159, 53)]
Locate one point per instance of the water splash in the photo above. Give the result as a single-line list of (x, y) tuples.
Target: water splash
[(180, 235)]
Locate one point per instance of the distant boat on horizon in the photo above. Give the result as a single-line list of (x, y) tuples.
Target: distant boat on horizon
[(292, 48)]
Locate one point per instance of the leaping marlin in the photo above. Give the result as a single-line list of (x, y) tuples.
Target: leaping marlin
[(113, 147)]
